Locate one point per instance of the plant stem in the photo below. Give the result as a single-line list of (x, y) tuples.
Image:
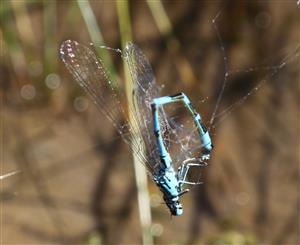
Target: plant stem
[(140, 172)]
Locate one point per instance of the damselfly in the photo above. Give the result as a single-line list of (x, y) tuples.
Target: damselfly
[(149, 131)]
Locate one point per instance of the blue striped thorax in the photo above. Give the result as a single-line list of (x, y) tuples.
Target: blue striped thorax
[(167, 182)]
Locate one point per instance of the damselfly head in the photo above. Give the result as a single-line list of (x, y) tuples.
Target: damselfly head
[(174, 206)]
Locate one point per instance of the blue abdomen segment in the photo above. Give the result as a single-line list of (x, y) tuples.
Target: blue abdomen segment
[(206, 141), (163, 153)]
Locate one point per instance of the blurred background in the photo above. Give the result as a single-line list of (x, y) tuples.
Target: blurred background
[(77, 184)]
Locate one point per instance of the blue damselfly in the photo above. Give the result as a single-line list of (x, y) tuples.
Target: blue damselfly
[(150, 132)]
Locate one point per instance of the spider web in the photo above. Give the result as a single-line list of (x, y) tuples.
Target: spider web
[(183, 138), (179, 133), (270, 71)]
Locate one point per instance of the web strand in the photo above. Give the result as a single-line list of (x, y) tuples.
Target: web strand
[(293, 55), (220, 95)]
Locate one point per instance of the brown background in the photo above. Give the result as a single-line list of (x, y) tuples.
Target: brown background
[(77, 183)]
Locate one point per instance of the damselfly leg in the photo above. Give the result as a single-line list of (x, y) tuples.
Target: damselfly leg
[(184, 169)]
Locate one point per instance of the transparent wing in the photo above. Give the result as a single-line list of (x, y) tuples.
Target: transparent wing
[(182, 141), (144, 90), (90, 74), (187, 141)]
